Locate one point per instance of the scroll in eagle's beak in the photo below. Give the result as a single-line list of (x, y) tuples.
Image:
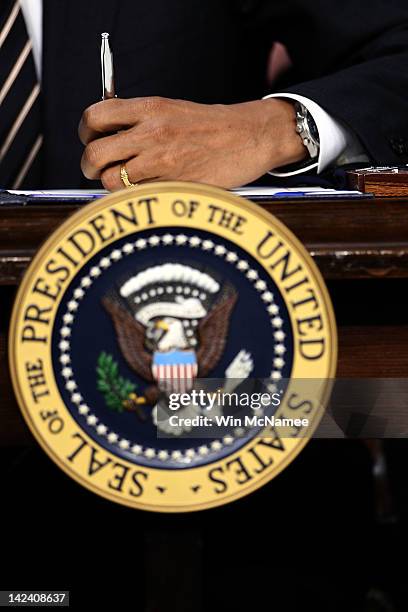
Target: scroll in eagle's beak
[(161, 325)]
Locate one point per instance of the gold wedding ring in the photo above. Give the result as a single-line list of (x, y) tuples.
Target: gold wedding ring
[(125, 177)]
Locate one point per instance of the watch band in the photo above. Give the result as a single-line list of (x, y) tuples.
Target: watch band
[(307, 130)]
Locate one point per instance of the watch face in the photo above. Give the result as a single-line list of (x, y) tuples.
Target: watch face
[(314, 132)]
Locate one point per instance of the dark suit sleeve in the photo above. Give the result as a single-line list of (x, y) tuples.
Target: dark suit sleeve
[(351, 58)]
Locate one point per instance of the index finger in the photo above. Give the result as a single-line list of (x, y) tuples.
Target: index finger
[(104, 117), (111, 116)]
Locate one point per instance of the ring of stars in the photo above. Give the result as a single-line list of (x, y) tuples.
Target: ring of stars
[(86, 282)]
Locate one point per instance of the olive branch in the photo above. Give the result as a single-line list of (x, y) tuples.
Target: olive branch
[(114, 388)]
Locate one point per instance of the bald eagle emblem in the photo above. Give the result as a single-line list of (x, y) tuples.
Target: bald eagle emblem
[(171, 323)]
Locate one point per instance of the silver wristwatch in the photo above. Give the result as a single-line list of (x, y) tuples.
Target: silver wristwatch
[(307, 130)]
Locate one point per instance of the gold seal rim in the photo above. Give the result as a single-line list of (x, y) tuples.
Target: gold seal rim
[(148, 189)]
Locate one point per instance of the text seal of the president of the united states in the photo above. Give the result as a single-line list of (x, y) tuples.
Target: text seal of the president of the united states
[(154, 293)]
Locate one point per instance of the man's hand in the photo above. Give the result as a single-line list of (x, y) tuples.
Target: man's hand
[(163, 139)]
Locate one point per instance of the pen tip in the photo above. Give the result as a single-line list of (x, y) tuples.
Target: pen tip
[(105, 34)]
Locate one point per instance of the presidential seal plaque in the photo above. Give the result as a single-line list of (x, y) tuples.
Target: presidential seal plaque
[(145, 295)]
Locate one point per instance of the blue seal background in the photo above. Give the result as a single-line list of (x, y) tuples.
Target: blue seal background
[(93, 332)]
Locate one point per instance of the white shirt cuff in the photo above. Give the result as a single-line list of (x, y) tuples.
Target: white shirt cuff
[(337, 142)]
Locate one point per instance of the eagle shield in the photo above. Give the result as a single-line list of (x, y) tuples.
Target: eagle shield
[(175, 370)]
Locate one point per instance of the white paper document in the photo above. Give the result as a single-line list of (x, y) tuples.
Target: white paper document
[(249, 192), (290, 191), (61, 193)]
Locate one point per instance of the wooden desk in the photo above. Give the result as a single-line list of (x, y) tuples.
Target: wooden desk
[(360, 246)]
